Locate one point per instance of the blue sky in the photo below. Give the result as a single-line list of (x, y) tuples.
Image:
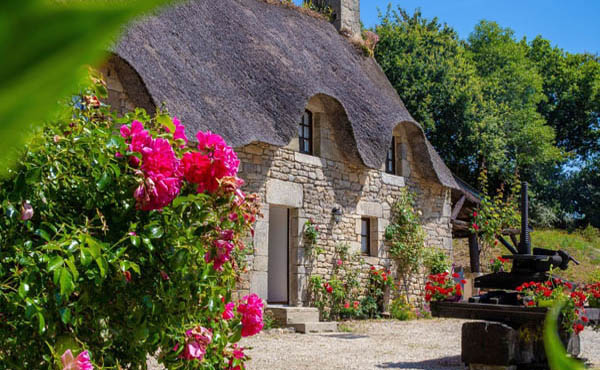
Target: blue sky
[(573, 25)]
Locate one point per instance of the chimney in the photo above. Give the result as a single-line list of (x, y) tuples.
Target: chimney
[(346, 14)]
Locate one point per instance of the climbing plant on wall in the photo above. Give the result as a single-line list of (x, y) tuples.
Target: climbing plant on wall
[(406, 237)]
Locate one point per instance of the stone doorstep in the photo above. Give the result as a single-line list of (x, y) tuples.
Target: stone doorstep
[(302, 319), (293, 315), (316, 327)]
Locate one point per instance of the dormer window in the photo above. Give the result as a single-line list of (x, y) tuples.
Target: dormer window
[(305, 133), (390, 161)]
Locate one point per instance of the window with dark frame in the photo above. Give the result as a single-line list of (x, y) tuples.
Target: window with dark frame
[(365, 236), (305, 132), (390, 161)]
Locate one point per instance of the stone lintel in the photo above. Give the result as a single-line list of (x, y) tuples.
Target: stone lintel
[(393, 180), (285, 193)]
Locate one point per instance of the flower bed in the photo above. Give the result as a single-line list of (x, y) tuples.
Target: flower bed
[(118, 244)]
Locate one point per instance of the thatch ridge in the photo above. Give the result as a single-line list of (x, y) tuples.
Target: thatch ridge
[(246, 69)]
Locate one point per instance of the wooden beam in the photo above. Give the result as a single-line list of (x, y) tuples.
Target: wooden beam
[(474, 253), (458, 206)]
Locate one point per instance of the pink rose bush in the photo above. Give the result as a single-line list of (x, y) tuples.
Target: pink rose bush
[(133, 226)]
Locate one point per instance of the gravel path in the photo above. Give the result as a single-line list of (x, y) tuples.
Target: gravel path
[(425, 344)]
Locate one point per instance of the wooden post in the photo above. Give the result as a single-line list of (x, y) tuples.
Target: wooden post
[(474, 253)]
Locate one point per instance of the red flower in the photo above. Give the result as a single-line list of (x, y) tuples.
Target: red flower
[(531, 303), (463, 281), (347, 305), (455, 275), (372, 268), (474, 213), (127, 275), (475, 226), (329, 289)]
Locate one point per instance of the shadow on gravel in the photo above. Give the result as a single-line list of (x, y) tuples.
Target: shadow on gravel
[(345, 336), (452, 362)]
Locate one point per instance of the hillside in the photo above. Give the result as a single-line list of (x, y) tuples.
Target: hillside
[(583, 245)]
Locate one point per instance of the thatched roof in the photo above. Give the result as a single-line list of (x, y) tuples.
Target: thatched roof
[(246, 70)]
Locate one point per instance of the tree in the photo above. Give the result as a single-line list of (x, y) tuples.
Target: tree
[(514, 134), (477, 100), (571, 84), (426, 64)]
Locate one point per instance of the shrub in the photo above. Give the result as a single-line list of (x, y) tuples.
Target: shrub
[(437, 261), (401, 310), (337, 297), (123, 244)]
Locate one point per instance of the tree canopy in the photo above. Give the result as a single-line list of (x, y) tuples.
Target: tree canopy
[(495, 101)]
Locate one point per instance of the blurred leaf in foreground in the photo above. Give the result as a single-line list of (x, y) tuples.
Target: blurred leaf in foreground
[(45, 46), (557, 355)]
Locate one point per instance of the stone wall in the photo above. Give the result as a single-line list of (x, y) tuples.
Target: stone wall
[(313, 186)]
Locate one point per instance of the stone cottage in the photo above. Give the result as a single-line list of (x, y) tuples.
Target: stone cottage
[(320, 131)]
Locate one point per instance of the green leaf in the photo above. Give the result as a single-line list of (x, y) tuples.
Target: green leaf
[(66, 283), (86, 256), (42, 323), (102, 265), (55, 262), (135, 240), (148, 244), (557, 355), (71, 263), (104, 181), (166, 121), (65, 315), (156, 232), (42, 234), (237, 334), (23, 289), (47, 61)]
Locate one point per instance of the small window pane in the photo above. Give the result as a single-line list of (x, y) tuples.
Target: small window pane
[(305, 133), (390, 162), (365, 236)]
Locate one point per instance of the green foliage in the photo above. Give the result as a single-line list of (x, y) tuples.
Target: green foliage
[(476, 99), (335, 297), (572, 89), (321, 7), (496, 212), (311, 234), (401, 310), (406, 237), (557, 355), (90, 271), (584, 191), (426, 63), (437, 261), (49, 44)]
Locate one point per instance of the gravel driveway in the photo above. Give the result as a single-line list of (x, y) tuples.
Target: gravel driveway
[(425, 344)]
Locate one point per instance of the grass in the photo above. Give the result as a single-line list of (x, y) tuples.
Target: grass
[(583, 245)]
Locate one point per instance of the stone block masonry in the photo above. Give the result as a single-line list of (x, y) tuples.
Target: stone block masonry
[(313, 186)]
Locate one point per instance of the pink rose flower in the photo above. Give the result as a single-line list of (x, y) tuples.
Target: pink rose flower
[(197, 340), (82, 362), (179, 130), (250, 307), (228, 312)]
